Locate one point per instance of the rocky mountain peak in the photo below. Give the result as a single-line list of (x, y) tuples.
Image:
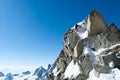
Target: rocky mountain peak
[(93, 24), (97, 23), (91, 48)]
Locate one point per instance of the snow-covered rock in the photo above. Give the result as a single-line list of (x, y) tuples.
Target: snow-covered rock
[(72, 70), (91, 51), (114, 75), (93, 24)]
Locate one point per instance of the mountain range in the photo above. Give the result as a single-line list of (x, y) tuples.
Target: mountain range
[(91, 51)]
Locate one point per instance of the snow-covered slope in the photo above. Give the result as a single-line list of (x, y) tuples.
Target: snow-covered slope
[(114, 75), (72, 70), (82, 28)]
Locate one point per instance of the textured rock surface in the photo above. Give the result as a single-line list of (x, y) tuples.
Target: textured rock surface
[(86, 65), (101, 69), (99, 36), (98, 24), (111, 57)]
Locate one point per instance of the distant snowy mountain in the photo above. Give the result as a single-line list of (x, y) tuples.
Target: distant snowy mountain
[(26, 73), (40, 72), (9, 76), (1, 74)]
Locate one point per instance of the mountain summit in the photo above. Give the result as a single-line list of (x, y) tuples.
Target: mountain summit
[(93, 24), (91, 51)]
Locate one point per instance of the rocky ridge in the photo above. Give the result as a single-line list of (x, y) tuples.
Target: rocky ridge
[(90, 46)]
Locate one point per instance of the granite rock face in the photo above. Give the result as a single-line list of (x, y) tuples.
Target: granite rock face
[(93, 45), (97, 23)]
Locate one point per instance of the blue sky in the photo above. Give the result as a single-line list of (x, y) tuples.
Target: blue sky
[(31, 30)]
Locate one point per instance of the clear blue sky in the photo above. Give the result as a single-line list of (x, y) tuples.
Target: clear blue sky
[(31, 30)]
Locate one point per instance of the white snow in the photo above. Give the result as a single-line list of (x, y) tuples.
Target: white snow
[(73, 27), (83, 35), (91, 53), (114, 75), (16, 68), (82, 29), (20, 77), (104, 49), (55, 71), (111, 64), (92, 76), (72, 70)]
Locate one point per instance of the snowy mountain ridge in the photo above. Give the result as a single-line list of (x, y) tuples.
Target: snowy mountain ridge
[(91, 51), (39, 73)]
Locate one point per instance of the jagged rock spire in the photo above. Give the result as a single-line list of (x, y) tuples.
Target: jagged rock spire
[(97, 23)]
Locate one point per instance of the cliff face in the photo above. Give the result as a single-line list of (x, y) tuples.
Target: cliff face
[(88, 45)]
